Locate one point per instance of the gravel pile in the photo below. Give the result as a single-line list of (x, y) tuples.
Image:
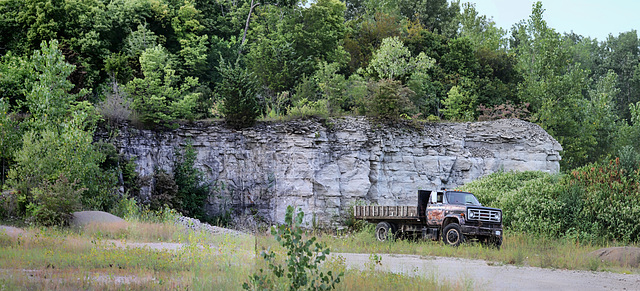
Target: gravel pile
[(195, 224)]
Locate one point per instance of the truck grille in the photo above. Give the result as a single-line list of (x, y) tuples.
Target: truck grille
[(484, 215)]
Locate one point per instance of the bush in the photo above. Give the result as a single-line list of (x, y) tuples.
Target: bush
[(595, 203), (239, 90), (303, 261), (164, 193), (53, 203), (66, 150), (192, 187), (389, 99)]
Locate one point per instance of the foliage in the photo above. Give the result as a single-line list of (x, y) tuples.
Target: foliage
[(51, 153), (164, 191), (592, 203), (10, 138), (389, 99), (503, 111), (393, 61), (460, 104), (193, 189), (53, 204), (239, 90), (159, 98), (303, 260), (116, 106)]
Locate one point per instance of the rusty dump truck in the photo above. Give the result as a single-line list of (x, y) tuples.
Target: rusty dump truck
[(452, 216)]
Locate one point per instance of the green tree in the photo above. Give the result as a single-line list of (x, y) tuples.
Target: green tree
[(364, 36), (192, 187), (622, 56), (393, 61), (11, 131), (389, 99), (193, 43), (482, 31), (287, 43), (160, 97), (51, 152), (554, 88), (438, 16), (461, 103), (49, 101), (238, 90)]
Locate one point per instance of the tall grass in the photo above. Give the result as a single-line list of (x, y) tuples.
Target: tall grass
[(87, 258)]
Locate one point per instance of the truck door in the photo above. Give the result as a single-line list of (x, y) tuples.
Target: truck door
[(435, 209)]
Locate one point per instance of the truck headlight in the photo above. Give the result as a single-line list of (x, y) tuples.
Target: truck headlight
[(498, 216), (471, 215)]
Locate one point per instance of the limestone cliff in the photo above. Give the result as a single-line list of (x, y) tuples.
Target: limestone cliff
[(323, 166)]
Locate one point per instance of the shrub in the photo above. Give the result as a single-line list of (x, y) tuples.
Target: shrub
[(459, 104), (192, 187), (303, 261), (53, 203), (116, 106), (239, 90), (64, 150), (164, 193), (597, 202), (503, 111), (389, 99)]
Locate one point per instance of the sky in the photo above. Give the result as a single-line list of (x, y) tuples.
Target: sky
[(593, 18)]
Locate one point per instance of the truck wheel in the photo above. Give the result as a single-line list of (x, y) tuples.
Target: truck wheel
[(452, 235), (384, 231)]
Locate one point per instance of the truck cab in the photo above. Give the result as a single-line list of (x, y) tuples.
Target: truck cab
[(457, 215)]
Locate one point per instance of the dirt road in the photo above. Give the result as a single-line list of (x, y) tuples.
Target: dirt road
[(489, 277)]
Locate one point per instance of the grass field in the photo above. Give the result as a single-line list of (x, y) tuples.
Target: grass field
[(110, 258)]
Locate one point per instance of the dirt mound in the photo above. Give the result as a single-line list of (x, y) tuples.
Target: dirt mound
[(83, 218), (624, 256)]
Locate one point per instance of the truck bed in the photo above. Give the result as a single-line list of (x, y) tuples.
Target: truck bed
[(385, 212)]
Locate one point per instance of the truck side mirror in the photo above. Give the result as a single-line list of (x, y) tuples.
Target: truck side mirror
[(434, 198)]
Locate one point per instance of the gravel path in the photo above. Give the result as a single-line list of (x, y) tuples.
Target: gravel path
[(495, 277)]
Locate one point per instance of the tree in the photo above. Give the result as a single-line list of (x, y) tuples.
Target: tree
[(238, 90), (288, 43), (389, 99), (159, 97), (438, 16), (482, 31), (192, 188), (393, 61), (622, 56), (461, 102), (11, 131), (554, 88), (54, 151), (364, 36)]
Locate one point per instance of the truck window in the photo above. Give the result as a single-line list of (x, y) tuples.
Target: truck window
[(462, 198), (440, 197)]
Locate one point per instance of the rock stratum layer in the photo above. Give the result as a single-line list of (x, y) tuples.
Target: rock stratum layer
[(325, 166)]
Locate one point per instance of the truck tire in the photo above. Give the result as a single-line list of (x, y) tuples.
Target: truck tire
[(452, 235), (384, 231)]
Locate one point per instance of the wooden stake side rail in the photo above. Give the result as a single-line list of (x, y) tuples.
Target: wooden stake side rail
[(386, 212)]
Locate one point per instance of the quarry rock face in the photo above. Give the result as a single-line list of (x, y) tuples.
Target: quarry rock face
[(325, 166)]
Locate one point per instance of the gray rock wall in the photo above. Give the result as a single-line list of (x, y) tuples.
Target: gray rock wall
[(324, 166)]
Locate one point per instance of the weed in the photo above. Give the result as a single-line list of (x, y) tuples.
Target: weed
[(303, 261)]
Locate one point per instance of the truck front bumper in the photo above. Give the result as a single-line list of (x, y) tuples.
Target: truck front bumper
[(494, 231)]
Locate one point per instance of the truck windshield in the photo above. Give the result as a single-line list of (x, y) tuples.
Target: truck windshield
[(462, 198)]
